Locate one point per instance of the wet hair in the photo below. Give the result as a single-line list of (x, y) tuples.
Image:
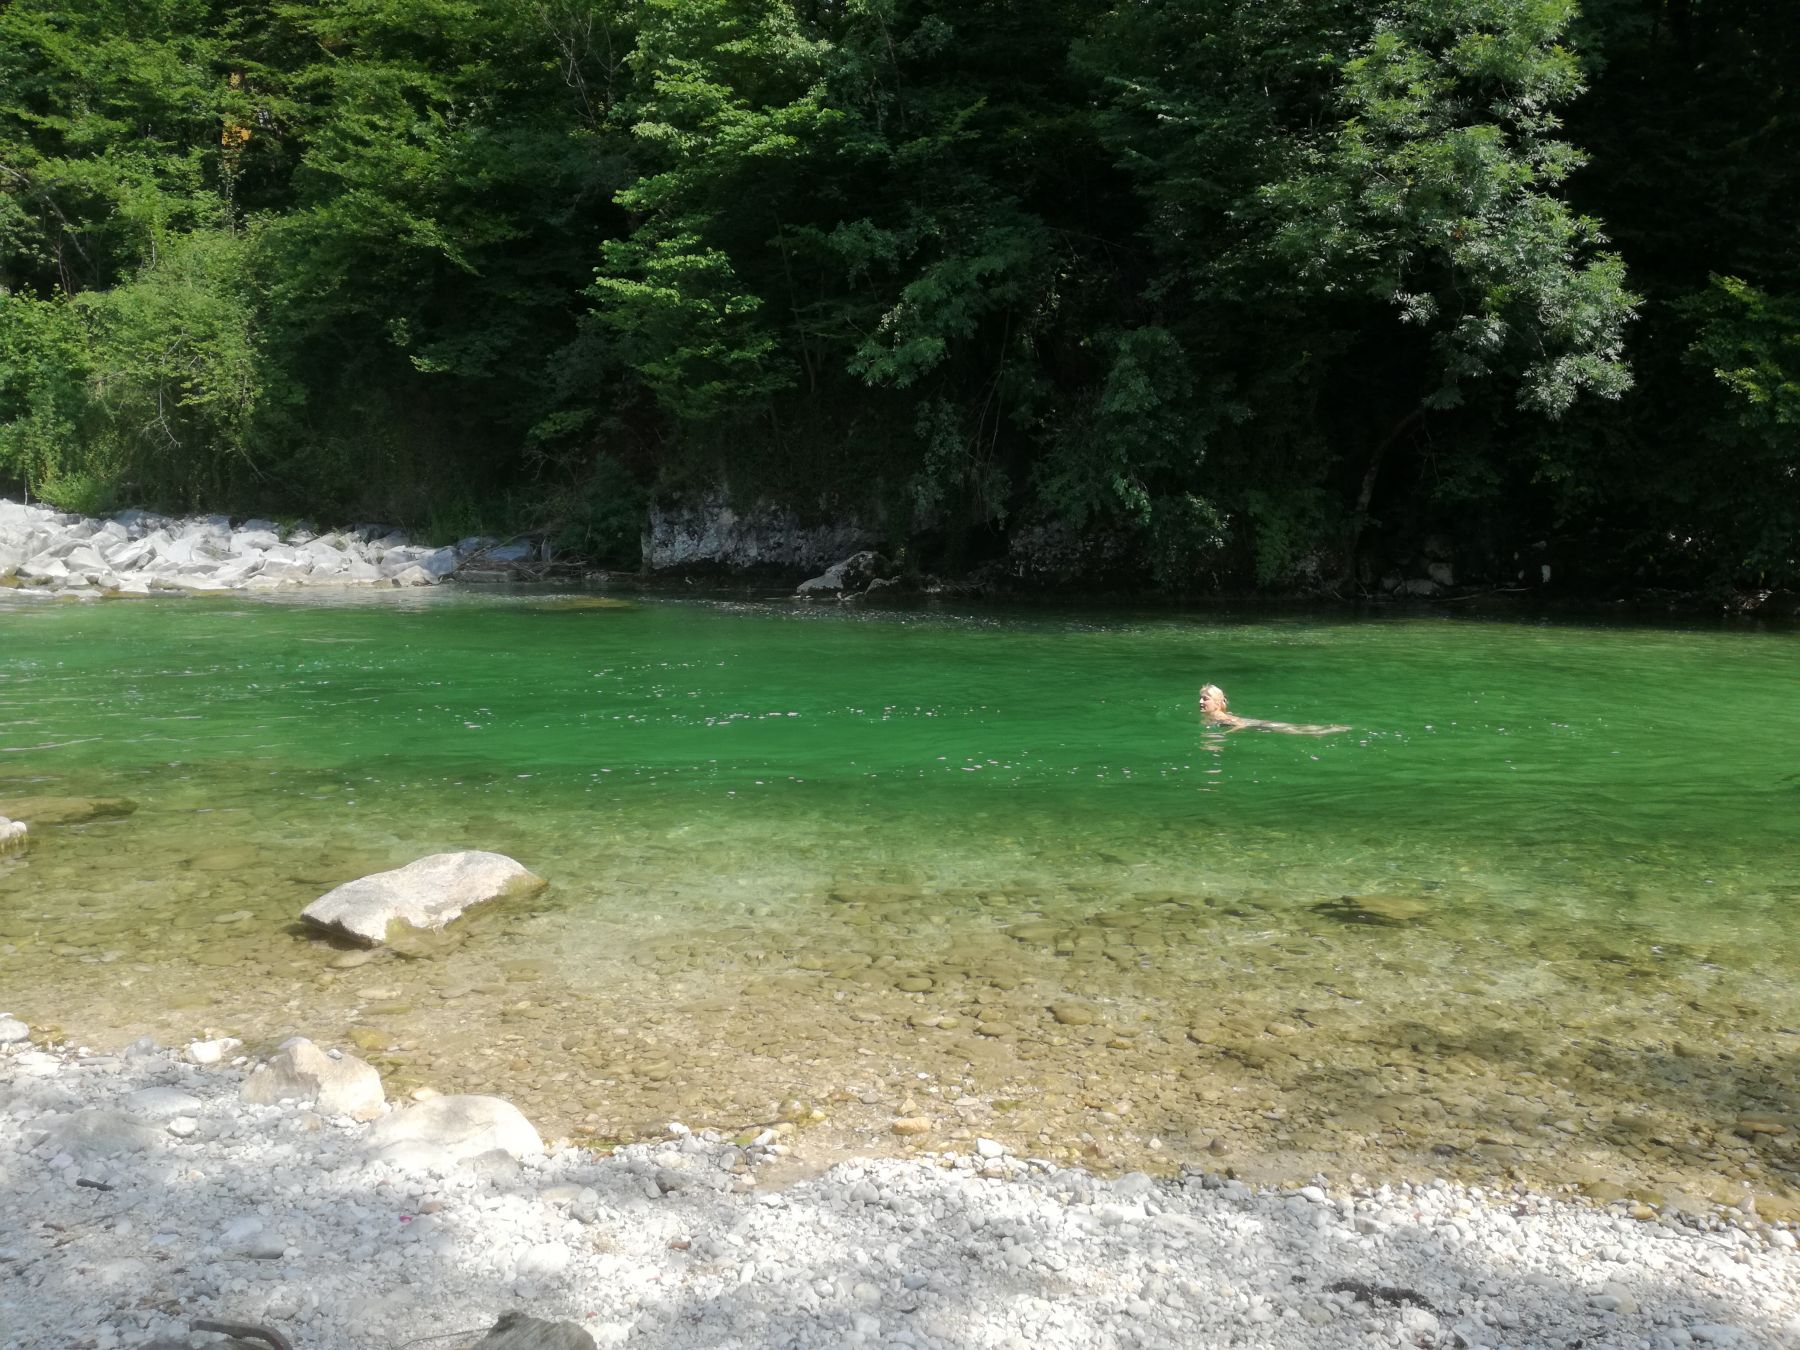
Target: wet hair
[(1206, 689)]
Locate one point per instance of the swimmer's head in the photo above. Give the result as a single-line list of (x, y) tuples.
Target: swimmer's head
[(1212, 699)]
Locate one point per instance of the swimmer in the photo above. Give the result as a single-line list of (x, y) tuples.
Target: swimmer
[(1213, 708)]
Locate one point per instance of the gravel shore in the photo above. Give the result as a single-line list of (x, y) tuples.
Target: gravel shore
[(140, 1191)]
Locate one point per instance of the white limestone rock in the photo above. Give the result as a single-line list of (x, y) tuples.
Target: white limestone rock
[(453, 1129), (428, 893), (13, 1031), (301, 1072), (12, 835), (87, 1135)]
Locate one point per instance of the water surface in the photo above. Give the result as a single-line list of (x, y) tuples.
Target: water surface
[(1534, 913)]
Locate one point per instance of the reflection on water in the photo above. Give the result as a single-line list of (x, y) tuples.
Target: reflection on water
[(1522, 919)]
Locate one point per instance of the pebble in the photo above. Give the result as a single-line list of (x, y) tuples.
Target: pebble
[(246, 1215)]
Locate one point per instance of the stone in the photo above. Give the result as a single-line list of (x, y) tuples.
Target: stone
[(160, 1103), (911, 1125), (852, 576), (516, 1331), (299, 1071), (65, 810), (12, 834), (13, 1031), (428, 893), (456, 1128), (214, 1051), (95, 1134), (1075, 1014)]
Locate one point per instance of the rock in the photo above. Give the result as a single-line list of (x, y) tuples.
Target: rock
[(95, 1134), (709, 530), (160, 1103), (1391, 911), (911, 1125), (544, 1259), (212, 1052), (13, 1031), (457, 1127), (301, 1072), (65, 810), (852, 576), (12, 834), (1075, 1014), (428, 893), (516, 1331), (990, 1148)]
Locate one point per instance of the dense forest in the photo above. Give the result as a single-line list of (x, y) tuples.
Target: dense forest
[(1220, 293)]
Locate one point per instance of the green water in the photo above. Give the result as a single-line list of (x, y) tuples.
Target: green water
[(817, 851)]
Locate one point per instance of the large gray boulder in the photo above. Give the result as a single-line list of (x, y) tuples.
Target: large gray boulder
[(301, 1072), (516, 1331), (428, 893), (453, 1129)]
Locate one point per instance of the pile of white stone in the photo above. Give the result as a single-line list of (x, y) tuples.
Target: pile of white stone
[(137, 553), (145, 1192)]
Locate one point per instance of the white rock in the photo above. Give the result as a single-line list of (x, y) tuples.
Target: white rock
[(13, 1031), (544, 1259), (458, 1127), (95, 1134), (428, 893), (989, 1148), (211, 1052), (301, 1072), (160, 1103), (182, 1127)]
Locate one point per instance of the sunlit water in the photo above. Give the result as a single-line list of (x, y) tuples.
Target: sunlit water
[(984, 868)]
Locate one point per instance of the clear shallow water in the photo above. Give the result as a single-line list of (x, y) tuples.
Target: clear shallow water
[(816, 852)]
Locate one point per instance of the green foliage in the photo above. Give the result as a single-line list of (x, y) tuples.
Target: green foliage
[(1256, 287)]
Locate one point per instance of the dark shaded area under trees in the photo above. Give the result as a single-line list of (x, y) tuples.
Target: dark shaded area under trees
[(1260, 294)]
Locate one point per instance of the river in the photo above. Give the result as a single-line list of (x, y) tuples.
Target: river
[(1533, 916)]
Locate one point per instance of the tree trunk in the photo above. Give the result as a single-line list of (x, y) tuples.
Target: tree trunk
[(1360, 517)]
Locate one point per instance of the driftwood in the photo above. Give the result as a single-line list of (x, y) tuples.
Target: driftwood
[(1381, 1293)]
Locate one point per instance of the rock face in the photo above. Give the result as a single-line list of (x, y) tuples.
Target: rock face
[(302, 1072), (852, 576), (455, 1129), (516, 1331), (12, 834), (138, 553), (428, 893), (710, 532)]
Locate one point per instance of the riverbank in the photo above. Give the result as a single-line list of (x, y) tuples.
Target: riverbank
[(143, 1193), (48, 552)]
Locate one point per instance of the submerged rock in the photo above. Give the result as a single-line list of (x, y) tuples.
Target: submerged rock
[(12, 834), (301, 1072), (1392, 911), (428, 893), (64, 810), (454, 1129)]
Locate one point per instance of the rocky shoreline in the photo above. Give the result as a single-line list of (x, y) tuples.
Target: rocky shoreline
[(154, 1191), (46, 551)]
